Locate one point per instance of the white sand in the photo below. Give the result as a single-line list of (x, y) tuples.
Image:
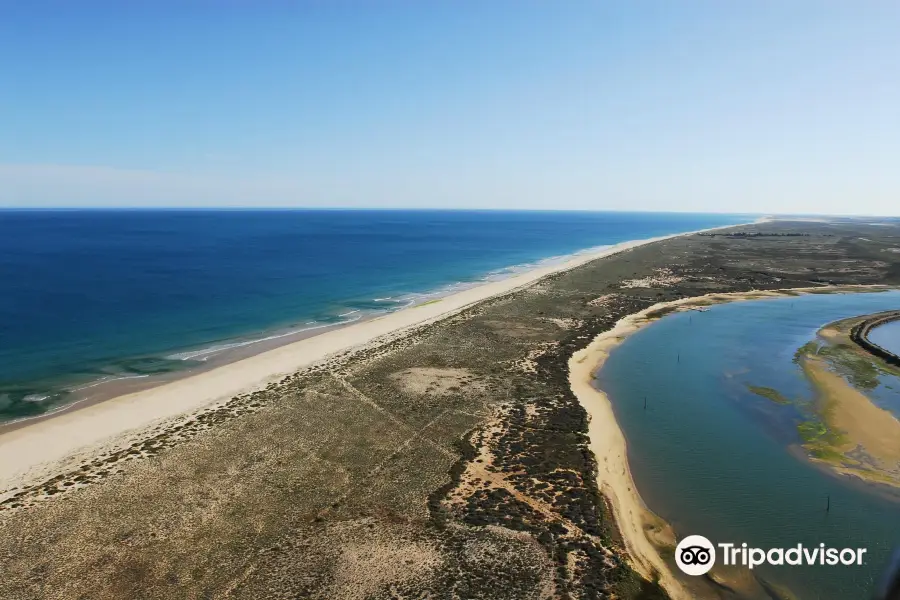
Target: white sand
[(34, 452)]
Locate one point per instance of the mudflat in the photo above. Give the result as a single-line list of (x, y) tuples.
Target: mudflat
[(453, 461), (855, 436)]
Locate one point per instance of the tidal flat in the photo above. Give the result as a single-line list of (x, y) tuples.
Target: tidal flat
[(847, 428), (450, 461)]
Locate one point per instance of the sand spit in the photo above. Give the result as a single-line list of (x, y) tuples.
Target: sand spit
[(850, 411), (39, 451), (644, 533), (848, 431)]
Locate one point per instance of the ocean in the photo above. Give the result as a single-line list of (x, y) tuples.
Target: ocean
[(715, 459), (93, 296)]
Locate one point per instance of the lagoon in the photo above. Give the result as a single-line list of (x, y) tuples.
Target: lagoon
[(715, 459), (887, 336)]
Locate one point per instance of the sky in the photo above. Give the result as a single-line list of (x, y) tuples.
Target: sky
[(679, 105)]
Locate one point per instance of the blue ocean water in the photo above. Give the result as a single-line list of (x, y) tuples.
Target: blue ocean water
[(93, 294), (715, 459)]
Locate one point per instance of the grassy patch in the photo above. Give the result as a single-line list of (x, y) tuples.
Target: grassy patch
[(770, 393), (859, 370), (661, 312), (810, 348), (702, 302), (821, 441), (826, 454), (858, 367), (810, 431)]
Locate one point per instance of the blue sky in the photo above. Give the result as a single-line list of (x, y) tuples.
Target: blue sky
[(654, 105)]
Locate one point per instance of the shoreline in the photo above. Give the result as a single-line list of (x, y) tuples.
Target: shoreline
[(213, 354), (608, 444), (40, 448), (223, 352), (607, 440), (117, 387)]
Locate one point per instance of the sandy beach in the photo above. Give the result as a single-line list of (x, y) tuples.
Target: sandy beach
[(38, 450), (613, 475)]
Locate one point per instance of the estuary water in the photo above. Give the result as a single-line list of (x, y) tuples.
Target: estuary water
[(715, 459), (887, 336), (93, 296)]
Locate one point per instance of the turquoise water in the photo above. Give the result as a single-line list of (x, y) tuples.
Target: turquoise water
[(887, 336), (97, 295), (714, 459)]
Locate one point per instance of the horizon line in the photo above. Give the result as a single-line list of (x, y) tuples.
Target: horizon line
[(358, 208), (89, 208)]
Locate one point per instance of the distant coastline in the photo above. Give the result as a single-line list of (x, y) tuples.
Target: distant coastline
[(43, 446), (160, 306)]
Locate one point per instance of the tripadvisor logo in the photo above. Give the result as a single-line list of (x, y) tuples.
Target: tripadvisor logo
[(696, 555)]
